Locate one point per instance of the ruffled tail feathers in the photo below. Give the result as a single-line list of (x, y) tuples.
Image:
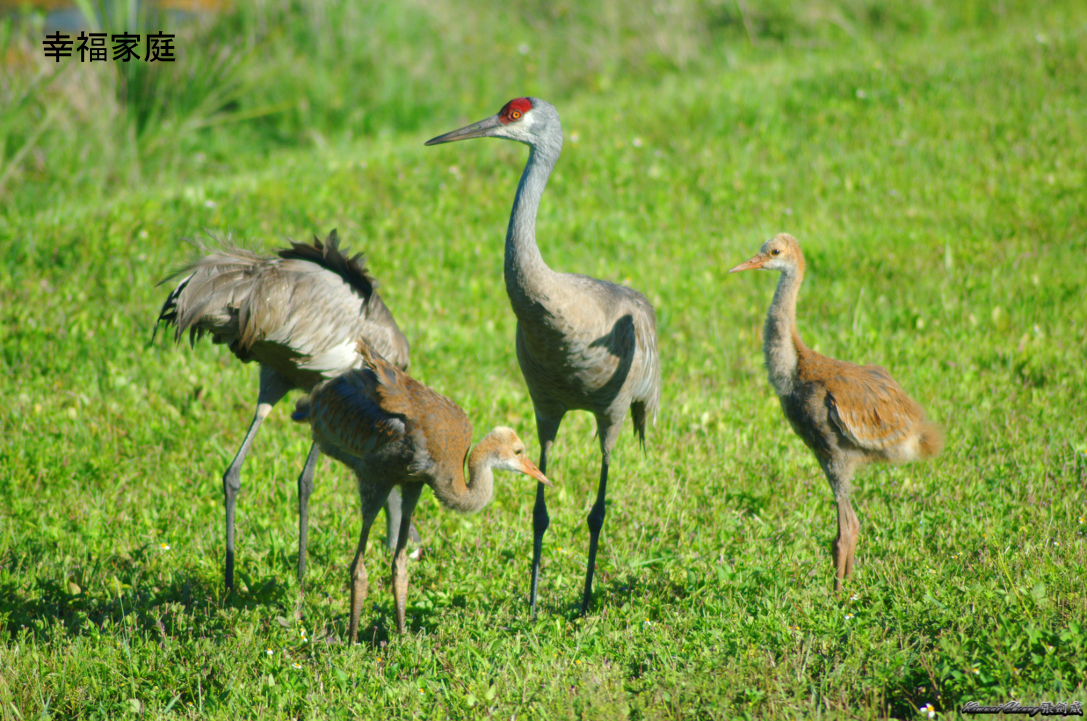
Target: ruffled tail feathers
[(931, 441)]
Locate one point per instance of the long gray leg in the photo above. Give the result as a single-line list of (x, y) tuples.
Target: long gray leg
[(400, 556), (595, 522), (305, 488), (272, 389), (609, 434), (546, 430), (393, 514)]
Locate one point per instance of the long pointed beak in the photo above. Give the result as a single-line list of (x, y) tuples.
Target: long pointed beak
[(482, 129), (752, 263), (529, 468)]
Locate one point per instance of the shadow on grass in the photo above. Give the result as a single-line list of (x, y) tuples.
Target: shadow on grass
[(611, 591), (41, 605), (749, 503)]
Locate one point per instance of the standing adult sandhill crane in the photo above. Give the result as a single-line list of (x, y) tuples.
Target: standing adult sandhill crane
[(392, 430), (297, 313), (849, 415), (582, 343)]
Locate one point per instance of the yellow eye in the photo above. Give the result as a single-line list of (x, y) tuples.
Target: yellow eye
[(515, 114)]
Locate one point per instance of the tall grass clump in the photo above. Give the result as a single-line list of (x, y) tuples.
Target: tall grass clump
[(258, 77), (72, 127)]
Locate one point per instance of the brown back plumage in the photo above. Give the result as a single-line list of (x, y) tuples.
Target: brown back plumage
[(436, 423), (865, 403)]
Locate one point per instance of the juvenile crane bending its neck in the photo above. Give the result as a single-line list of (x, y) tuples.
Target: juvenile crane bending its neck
[(298, 313), (847, 414), (582, 343), (392, 430)]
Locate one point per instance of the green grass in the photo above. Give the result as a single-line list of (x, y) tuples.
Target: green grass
[(932, 164)]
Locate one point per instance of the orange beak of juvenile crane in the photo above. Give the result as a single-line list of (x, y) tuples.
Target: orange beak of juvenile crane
[(530, 469), (753, 263)]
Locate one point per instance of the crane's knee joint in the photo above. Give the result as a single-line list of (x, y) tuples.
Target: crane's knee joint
[(305, 487), (232, 482), (841, 548), (596, 518), (399, 566), (540, 520)]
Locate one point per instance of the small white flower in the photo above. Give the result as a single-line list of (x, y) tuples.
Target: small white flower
[(209, 203), (637, 142), (164, 546), (854, 597), (269, 651), (927, 709), (848, 616), (295, 665)]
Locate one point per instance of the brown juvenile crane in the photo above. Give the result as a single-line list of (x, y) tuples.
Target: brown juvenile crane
[(392, 430), (582, 343), (298, 313), (849, 415)]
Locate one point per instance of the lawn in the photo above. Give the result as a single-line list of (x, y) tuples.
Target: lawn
[(932, 163)]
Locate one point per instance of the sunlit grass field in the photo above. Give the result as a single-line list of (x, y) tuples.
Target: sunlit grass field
[(936, 178)]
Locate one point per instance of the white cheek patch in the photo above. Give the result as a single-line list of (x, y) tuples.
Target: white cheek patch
[(510, 464), (523, 127)]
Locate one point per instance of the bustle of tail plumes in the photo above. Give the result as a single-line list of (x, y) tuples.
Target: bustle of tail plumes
[(226, 265), (328, 255), (227, 261), (931, 441)]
